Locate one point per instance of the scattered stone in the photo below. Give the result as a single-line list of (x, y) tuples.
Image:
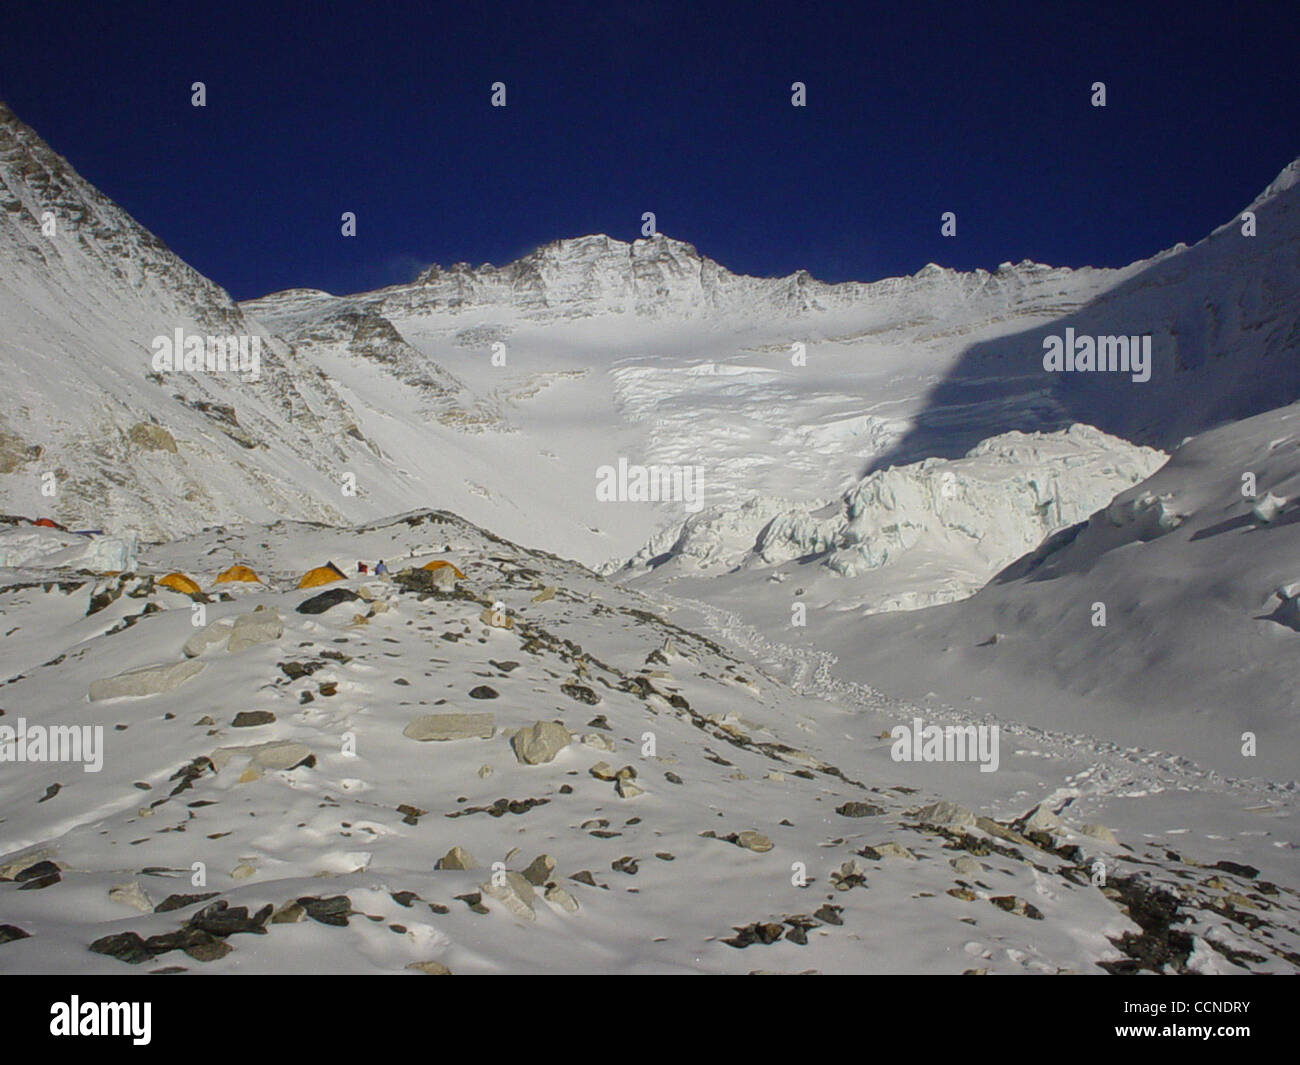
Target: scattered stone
[(516, 894), (599, 722), (546, 593), (540, 742), (944, 814), (252, 718), (672, 778), (1018, 906), (332, 911), (625, 865), (584, 876), (484, 771), (627, 789), (457, 858), (603, 771), (560, 898), (754, 841), (124, 946), (887, 850), (1041, 819), (208, 949), (966, 866), (242, 871), (581, 693), (829, 914), (483, 691), (540, 870), (859, 809), (1237, 869), (597, 741), (9, 933), (326, 600), (147, 680), (132, 895), (179, 902), (451, 727)]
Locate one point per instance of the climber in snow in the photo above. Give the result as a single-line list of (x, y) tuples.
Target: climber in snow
[(380, 568), (361, 568)]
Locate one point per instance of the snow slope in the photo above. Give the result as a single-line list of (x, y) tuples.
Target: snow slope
[(745, 789)]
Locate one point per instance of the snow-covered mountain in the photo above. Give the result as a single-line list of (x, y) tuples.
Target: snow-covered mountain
[(671, 753)]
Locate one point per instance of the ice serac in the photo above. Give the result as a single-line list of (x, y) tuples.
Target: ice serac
[(923, 533)]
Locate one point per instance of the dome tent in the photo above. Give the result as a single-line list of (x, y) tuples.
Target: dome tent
[(439, 563), (238, 573), (326, 574), (178, 582)]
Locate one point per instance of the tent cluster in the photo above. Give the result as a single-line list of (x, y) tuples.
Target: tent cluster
[(313, 578), (186, 585)]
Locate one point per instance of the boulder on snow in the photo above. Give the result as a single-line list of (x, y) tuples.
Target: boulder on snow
[(451, 727), (540, 742), (146, 680), (261, 626), (276, 754), (216, 632), (457, 858)]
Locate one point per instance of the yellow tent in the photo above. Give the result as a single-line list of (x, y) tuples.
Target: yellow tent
[(438, 563), (238, 573), (178, 582), (327, 574)]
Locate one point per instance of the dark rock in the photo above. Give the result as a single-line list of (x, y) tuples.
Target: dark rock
[(326, 600), (625, 865), (222, 919), (179, 902), (334, 910), (482, 692), (251, 718), (124, 946), (11, 932), (39, 869), (1237, 869), (859, 809), (829, 914), (581, 693)]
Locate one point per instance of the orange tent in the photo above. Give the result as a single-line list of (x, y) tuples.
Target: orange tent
[(326, 574), (439, 563), (46, 523), (238, 573), (178, 582)]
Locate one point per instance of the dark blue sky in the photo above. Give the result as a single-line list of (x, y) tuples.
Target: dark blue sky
[(678, 108)]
